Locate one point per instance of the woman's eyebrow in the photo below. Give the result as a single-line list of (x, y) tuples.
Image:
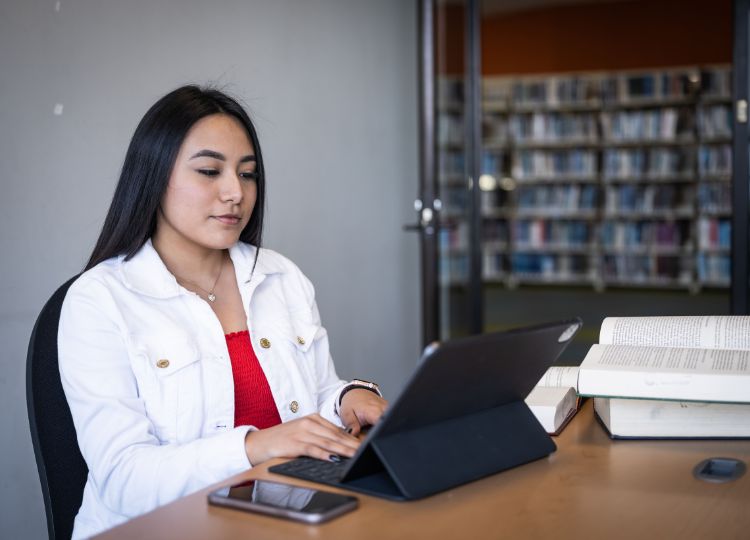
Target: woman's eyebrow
[(209, 153), (220, 156)]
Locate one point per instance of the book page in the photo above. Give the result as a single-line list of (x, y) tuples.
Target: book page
[(560, 377), (668, 360), (708, 332), (721, 375)]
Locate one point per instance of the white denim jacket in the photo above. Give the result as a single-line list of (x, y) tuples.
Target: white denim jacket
[(147, 375)]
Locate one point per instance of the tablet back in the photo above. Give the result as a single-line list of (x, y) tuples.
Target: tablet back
[(462, 415)]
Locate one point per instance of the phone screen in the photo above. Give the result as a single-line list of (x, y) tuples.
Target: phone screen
[(284, 500)]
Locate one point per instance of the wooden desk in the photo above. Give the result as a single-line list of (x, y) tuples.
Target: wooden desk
[(591, 487)]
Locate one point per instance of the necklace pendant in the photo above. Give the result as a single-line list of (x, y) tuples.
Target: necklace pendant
[(211, 297)]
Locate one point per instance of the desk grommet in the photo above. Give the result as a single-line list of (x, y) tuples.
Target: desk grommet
[(719, 469)]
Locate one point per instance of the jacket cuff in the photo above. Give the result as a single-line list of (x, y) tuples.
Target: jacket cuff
[(236, 457)]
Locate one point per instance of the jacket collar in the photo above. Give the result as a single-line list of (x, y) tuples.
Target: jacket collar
[(146, 274)]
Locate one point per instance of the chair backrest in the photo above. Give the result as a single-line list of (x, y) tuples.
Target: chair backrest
[(62, 470)]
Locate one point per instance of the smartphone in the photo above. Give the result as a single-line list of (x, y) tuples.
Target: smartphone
[(284, 500)]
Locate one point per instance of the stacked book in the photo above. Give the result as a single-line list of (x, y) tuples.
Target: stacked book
[(671, 377), (553, 400)]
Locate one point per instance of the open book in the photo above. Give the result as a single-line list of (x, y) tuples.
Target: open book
[(677, 358), (553, 400), (671, 377)]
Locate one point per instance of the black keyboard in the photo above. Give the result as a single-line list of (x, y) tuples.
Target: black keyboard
[(316, 470)]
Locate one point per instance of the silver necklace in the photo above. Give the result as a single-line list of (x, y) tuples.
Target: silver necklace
[(211, 296)]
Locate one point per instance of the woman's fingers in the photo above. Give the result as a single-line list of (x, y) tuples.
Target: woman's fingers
[(327, 430), (350, 420), (361, 407), (329, 438), (312, 436)]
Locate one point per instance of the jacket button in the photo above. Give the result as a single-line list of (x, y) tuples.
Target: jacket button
[(300, 340), (163, 363), (294, 406), (265, 343)]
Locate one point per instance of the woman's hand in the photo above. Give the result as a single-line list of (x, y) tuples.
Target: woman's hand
[(359, 408), (311, 436)]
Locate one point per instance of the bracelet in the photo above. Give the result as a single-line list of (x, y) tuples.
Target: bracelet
[(360, 384)]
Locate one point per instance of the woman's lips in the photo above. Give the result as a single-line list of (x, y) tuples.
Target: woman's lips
[(228, 219)]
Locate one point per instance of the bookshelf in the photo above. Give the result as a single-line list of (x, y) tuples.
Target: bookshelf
[(601, 179)]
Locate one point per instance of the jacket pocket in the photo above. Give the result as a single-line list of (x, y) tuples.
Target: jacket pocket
[(296, 335), (305, 333), (289, 364), (168, 373)]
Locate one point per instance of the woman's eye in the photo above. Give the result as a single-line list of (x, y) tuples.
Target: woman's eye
[(208, 172), (249, 175)]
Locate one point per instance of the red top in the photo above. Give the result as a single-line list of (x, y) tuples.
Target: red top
[(253, 400)]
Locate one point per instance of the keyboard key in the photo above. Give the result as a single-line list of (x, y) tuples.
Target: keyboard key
[(315, 470)]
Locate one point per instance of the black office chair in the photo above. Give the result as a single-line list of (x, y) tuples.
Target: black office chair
[(62, 469)]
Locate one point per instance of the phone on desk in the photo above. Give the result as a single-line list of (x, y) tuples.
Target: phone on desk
[(284, 500)]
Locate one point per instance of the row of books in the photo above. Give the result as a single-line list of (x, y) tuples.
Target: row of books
[(539, 233), (678, 198), (715, 197), (636, 268), (666, 85), (657, 377), (453, 238), (715, 121), (495, 232), (555, 90), (562, 199), (714, 233), (716, 83), (493, 163), (707, 269), (495, 130), (557, 265), (493, 266), (550, 164), (665, 124), (608, 89), (651, 162), (715, 160), (553, 127), (618, 163), (635, 234), (614, 268), (714, 268), (668, 124)]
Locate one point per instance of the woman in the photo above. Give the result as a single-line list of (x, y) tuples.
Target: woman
[(187, 352)]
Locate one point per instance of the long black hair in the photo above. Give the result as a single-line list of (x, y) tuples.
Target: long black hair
[(131, 219)]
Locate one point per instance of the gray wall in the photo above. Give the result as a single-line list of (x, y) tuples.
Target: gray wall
[(332, 86)]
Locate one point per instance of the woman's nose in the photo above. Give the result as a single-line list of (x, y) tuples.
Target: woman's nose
[(231, 188)]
